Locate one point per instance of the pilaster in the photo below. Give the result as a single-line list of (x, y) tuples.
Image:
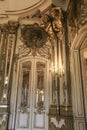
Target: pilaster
[(8, 33)]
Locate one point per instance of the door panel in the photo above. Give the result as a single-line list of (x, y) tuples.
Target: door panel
[(32, 94), (24, 92)]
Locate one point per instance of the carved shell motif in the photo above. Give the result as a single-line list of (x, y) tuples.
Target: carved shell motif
[(34, 36)]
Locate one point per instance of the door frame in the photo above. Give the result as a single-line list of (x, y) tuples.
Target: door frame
[(16, 86)]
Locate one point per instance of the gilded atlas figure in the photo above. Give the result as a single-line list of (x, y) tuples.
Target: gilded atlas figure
[(47, 25), (56, 15), (53, 24)]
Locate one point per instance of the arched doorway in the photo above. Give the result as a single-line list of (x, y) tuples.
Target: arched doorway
[(79, 97)]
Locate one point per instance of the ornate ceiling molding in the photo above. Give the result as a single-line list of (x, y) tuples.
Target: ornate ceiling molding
[(13, 7), (24, 9)]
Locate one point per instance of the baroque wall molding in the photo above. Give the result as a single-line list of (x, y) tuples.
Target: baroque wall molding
[(79, 23)]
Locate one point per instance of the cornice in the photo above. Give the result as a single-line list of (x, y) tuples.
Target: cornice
[(26, 13), (9, 28)]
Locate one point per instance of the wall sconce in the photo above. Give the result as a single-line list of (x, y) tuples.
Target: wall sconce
[(60, 59), (57, 71), (57, 67)]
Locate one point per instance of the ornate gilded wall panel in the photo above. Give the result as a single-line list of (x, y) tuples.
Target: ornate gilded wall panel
[(7, 46)]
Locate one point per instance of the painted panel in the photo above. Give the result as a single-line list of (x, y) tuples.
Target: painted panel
[(39, 120), (79, 124), (78, 87), (23, 120)]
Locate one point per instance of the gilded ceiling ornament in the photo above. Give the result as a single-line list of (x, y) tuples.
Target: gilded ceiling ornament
[(56, 15), (52, 23), (47, 25), (34, 36)]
